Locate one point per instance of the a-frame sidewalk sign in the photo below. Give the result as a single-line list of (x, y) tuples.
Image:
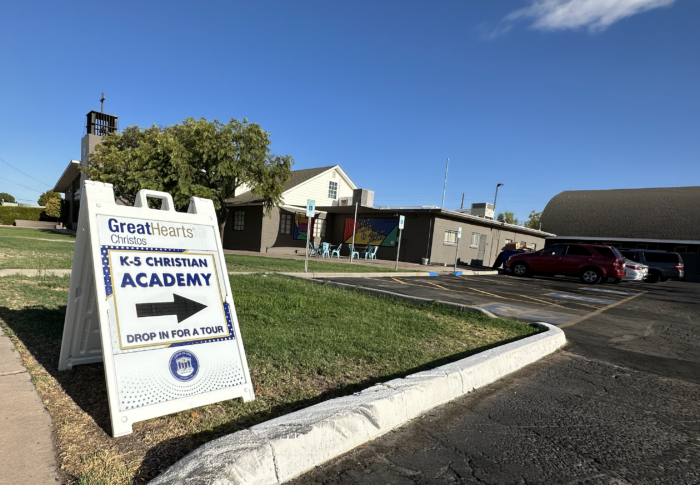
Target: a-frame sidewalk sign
[(150, 296)]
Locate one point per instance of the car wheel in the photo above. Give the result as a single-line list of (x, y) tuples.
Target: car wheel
[(591, 276), (520, 269), (652, 278)]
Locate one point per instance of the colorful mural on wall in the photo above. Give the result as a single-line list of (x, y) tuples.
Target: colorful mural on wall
[(301, 223), (372, 231)]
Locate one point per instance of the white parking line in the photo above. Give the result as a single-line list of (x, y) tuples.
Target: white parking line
[(613, 292), (568, 296)]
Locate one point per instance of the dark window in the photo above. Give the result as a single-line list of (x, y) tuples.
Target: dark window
[(631, 255), (578, 251), (606, 252), (661, 258), (554, 251), (286, 223), (238, 218)]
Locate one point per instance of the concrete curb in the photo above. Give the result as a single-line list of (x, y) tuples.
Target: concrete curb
[(35, 272), (283, 448)]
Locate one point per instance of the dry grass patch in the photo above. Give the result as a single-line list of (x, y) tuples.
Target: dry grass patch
[(305, 343)]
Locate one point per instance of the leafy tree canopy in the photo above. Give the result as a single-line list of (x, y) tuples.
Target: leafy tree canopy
[(533, 221), (7, 197), (53, 207), (197, 158), (508, 218), (49, 194)]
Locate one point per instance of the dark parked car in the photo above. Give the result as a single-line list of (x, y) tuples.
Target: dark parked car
[(589, 262), (662, 265)]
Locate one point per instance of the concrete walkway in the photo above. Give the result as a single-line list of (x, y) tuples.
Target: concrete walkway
[(26, 437)]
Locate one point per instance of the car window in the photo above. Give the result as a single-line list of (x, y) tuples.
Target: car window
[(661, 257), (578, 251), (631, 255), (554, 251), (606, 252)]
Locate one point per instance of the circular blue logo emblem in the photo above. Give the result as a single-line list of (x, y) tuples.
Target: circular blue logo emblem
[(184, 365)]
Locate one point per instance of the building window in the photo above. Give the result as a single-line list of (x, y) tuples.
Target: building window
[(319, 228), (476, 238), (285, 223), (238, 217), (450, 237), (332, 190)]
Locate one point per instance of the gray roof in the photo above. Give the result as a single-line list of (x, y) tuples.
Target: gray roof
[(671, 213), (298, 177)]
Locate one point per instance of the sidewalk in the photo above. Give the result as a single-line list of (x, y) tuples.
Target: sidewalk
[(288, 253), (26, 438)]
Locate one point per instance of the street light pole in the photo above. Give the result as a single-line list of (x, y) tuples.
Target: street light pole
[(494, 201), (444, 188)]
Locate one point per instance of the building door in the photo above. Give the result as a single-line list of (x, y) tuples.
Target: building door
[(482, 249)]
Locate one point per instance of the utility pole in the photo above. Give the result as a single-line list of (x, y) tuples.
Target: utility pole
[(495, 199), (444, 188), (462, 205), (102, 103)]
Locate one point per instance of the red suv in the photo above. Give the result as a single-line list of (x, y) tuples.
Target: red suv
[(589, 262)]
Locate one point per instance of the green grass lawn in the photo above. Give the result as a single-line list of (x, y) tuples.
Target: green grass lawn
[(261, 264), (34, 233), (305, 343), (20, 251)]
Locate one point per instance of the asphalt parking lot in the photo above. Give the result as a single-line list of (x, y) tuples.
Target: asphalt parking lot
[(619, 404)]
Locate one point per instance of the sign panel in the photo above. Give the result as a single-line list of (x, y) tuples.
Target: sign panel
[(459, 233), (401, 221), (153, 285), (310, 207)]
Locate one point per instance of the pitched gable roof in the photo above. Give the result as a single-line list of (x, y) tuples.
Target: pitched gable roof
[(660, 213), (298, 177)]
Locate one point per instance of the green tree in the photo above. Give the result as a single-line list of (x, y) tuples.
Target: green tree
[(508, 218), (197, 158), (53, 207), (49, 194), (7, 197), (533, 221)]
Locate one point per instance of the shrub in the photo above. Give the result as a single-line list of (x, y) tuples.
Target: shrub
[(8, 214), (53, 208)]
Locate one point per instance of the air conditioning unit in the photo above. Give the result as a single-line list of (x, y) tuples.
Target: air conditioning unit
[(482, 209), (345, 201)]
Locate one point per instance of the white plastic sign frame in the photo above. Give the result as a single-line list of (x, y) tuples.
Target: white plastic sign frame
[(401, 221), (150, 297), (459, 233)]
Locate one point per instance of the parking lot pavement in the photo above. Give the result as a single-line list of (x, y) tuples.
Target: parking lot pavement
[(557, 301), (620, 404)]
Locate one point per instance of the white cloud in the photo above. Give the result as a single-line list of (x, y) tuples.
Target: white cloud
[(595, 15)]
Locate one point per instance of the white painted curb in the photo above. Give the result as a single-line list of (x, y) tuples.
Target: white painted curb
[(283, 448)]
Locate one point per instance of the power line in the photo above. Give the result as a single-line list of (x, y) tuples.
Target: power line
[(28, 188), (3, 161)]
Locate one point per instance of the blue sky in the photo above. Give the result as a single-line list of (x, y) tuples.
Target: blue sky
[(541, 95)]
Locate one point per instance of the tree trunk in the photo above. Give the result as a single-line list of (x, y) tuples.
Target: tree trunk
[(222, 217)]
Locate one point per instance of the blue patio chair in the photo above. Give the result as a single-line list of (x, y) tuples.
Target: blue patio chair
[(353, 252), (371, 252), (325, 250), (313, 250), (336, 251)]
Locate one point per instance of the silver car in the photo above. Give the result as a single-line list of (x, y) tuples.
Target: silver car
[(635, 271)]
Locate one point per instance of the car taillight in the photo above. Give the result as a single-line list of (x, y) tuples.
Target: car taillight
[(679, 266), (631, 266), (620, 263)]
